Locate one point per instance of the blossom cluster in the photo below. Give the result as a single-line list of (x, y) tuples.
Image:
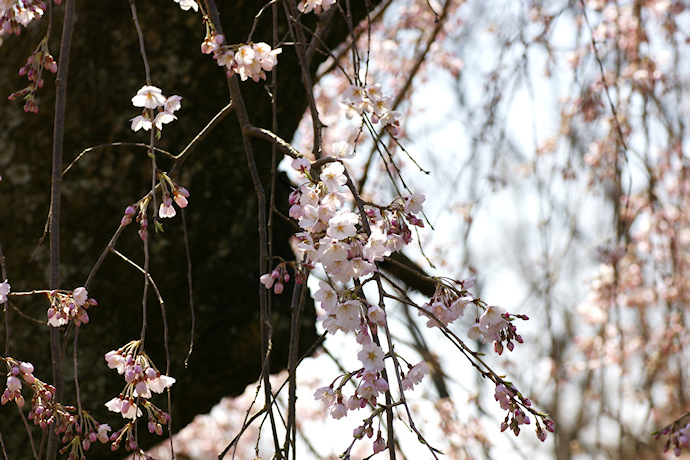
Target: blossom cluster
[(348, 246), (446, 305), (14, 13), (150, 98), (170, 192), (77, 431), (248, 61), (66, 306), (16, 370), (142, 378), (506, 396), (179, 196), (678, 436), (33, 69), (370, 99)]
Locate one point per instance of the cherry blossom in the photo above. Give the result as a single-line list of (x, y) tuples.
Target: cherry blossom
[(69, 306), (317, 6), (187, 4), (371, 357), (150, 97), (4, 291), (333, 176)]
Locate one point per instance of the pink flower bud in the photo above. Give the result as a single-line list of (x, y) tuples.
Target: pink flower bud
[(379, 444), (278, 288)]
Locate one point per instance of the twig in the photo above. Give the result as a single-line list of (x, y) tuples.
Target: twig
[(55, 195), (191, 292)]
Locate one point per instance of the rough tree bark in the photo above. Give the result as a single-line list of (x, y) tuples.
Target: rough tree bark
[(106, 70)]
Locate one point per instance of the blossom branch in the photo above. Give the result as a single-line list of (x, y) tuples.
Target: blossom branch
[(55, 195)]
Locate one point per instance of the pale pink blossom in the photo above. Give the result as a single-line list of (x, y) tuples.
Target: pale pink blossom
[(103, 430), (244, 55), (376, 315), (492, 316), (160, 383), (371, 357), (149, 97), (301, 164), (127, 409), (418, 371), (413, 203), (267, 280), (187, 4), (4, 291), (80, 296), (477, 332), (13, 384), (342, 225), (166, 208), (327, 296), (115, 361), (342, 150), (141, 122), (325, 394), (163, 118), (333, 176), (172, 104)]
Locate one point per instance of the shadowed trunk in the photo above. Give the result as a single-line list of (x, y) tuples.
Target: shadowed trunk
[(106, 70)]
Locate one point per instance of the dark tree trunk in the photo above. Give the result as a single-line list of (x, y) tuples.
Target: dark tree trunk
[(106, 70)]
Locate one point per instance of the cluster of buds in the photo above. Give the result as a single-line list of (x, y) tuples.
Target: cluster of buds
[(33, 69), (371, 384), (16, 372), (678, 434), (14, 13), (507, 396), (69, 305), (151, 98), (370, 99), (250, 60), (447, 304), (277, 278), (142, 378), (496, 325), (367, 429), (171, 193), (78, 433), (140, 211)]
